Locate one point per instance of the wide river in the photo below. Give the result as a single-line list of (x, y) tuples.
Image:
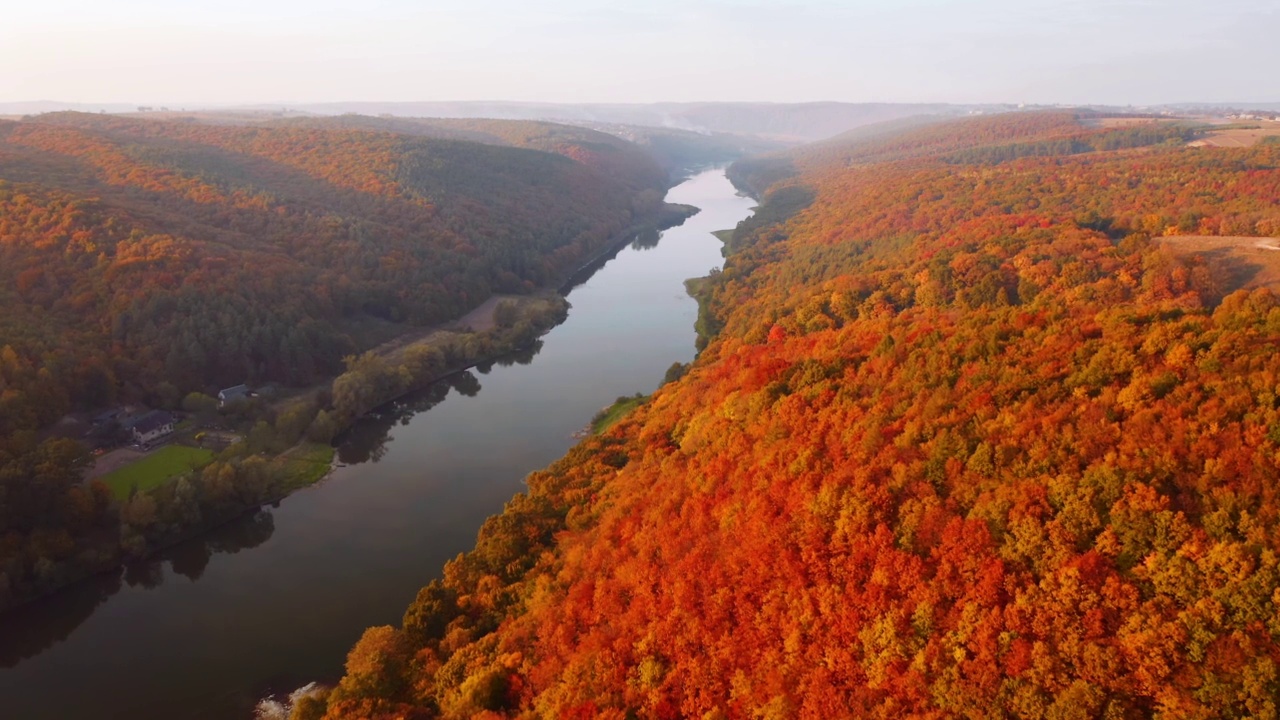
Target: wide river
[(277, 599)]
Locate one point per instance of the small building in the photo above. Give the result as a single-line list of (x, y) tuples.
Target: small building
[(232, 394), (153, 426)]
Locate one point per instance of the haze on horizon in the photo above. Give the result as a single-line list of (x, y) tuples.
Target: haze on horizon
[(968, 51)]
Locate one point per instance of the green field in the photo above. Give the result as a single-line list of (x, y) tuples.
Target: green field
[(606, 418), (155, 469), (304, 465)]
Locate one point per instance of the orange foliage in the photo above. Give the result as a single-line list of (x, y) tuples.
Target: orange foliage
[(968, 444)]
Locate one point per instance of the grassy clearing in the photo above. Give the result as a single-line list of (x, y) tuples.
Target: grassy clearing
[(156, 469), (1238, 135), (1245, 262), (609, 416), (305, 464)]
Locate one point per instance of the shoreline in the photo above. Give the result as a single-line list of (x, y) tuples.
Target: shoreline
[(666, 216)]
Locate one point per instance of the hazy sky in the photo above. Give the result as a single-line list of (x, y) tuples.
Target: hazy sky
[(182, 52)]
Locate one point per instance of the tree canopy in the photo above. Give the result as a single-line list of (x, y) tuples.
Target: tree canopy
[(966, 439)]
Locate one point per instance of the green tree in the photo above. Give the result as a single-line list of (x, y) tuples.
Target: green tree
[(506, 314), (323, 429), (202, 406)]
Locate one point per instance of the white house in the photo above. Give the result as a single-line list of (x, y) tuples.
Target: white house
[(153, 426), (231, 394)]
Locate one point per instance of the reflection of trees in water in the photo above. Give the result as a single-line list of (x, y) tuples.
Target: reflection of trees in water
[(190, 558), (467, 383), (581, 277), (27, 631), (521, 357), (646, 240), (244, 534), (147, 573), (368, 439)]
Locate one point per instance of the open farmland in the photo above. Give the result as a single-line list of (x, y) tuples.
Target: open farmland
[(1238, 137), (1248, 262)]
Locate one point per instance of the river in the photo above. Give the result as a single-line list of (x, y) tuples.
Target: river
[(277, 599)]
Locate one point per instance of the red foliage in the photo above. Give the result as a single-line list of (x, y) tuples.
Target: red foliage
[(969, 444)]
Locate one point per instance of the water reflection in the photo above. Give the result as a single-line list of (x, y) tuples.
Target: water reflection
[(191, 558), (352, 552), (584, 274), (368, 440), (646, 240), (30, 630)]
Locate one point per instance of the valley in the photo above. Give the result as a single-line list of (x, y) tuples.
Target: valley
[(968, 432), (688, 359), (962, 399), (271, 601)]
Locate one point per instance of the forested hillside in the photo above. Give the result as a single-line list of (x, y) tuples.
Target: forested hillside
[(205, 255), (143, 260), (603, 152), (605, 145), (788, 122), (966, 440)]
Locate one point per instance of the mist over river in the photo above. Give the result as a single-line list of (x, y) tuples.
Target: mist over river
[(276, 599)]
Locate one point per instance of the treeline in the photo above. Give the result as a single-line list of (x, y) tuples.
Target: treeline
[(1119, 139), (976, 140), (371, 380), (968, 440)]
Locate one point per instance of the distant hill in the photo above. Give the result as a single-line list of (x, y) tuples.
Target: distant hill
[(1242, 106), (680, 149), (602, 151), (791, 122), (139, 251), (36, 107), (673, 150)]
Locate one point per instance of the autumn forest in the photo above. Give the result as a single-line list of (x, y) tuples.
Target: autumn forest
[(984, 420), (971, 435), (150, 263)]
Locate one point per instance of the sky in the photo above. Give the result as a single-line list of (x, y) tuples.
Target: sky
[(226, 52)]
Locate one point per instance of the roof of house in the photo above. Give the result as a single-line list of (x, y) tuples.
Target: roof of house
[(152, 421), (232, 393)]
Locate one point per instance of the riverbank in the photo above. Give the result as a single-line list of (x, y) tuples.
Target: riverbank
[(507, 330), (278, 597), (279, 454), (256, 472), (668, 216)]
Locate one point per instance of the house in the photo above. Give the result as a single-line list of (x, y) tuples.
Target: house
[(153, 426), (232, 394)]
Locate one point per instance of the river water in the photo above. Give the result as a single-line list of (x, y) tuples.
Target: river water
[(275, 600)]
